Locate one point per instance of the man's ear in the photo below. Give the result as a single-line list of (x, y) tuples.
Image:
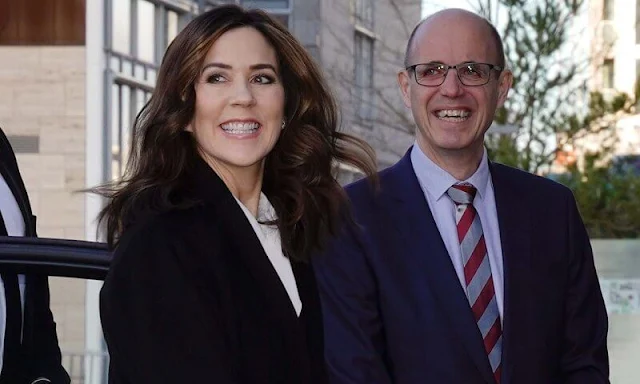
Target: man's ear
[(504, 84), (404, 83)]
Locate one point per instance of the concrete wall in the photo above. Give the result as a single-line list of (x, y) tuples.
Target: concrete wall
[(618, 265), (42, 111)]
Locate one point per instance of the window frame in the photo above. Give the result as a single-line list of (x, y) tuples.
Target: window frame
[(364, 76), (128, 74), (608, 74), (608, 9)]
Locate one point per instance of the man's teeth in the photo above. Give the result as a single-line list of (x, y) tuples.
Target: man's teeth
[(456, 114), (239, 128)]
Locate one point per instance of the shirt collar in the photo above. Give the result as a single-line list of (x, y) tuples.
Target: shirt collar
[(266, 212), (436, 181)]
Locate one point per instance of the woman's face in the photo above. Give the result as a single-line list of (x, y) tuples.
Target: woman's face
[(240, 102)]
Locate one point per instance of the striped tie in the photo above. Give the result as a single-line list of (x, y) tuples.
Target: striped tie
[(477, 273)]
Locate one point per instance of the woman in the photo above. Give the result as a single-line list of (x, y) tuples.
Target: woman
[(228, 191)]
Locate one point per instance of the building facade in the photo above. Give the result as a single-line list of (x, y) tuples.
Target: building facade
[(74, 76), (616, 63)]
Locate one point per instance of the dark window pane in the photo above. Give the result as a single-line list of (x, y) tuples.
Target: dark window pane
[(363, 67), (608, 73), (607, 9), (364, 13), (637, 21), (266, 4)]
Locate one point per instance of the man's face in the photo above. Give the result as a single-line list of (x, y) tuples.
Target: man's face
[(452, 118)]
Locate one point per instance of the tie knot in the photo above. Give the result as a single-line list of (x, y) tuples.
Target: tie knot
[(462, 193)]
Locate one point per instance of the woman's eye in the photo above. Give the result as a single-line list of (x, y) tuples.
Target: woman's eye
[(215, 78), (264, 79)]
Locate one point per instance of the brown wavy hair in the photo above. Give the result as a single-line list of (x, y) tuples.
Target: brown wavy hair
[(298, 178)]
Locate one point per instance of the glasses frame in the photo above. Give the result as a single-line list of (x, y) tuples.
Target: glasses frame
[(492, 67)]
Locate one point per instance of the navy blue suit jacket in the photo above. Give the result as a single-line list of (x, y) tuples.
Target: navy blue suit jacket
[(395, 312)]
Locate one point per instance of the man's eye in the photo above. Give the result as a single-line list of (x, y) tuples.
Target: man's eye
[(471, 70), (431, 71)]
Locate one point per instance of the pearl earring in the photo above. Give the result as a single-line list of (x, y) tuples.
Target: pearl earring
[(284, 123)]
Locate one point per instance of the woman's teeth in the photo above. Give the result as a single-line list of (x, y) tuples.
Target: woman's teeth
[(240, 128)]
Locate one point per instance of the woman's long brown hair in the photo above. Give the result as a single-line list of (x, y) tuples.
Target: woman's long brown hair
[(299, 172)]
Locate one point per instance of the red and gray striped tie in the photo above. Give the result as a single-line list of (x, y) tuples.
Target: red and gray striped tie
[(477, 273)]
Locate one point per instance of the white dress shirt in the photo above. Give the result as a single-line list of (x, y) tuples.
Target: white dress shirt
[(269, 237), (435, 182), (14, 223)]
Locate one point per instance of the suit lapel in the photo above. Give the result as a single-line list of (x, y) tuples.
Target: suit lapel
[(10, 173), (13, 327), (515, 238), (421, 243), (14, 316)]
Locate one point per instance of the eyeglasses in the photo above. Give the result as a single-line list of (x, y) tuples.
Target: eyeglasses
[(470, 74)]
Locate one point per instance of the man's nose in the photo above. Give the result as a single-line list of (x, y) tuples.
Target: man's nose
[(451, 87)]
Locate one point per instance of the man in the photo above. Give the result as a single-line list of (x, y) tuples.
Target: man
[(460, 270), (29, 351)]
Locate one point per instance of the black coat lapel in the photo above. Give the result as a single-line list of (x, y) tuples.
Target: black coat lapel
[(428, 259), (515, 237), (209, 188), (311, 318)]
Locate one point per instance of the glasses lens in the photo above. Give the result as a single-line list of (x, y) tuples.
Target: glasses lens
[(474, 73), (430, 74)]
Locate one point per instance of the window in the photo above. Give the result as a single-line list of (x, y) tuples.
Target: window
[(172, 26), (364, 40), (146, 31), (607, 9), (364, 13), (280, 9), (636, 89), (266, 4), (608, 73), (637, 21), (140, 31), (364, 93), (121, 28)]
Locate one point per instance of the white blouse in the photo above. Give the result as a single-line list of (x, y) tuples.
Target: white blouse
[(269, 237)]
